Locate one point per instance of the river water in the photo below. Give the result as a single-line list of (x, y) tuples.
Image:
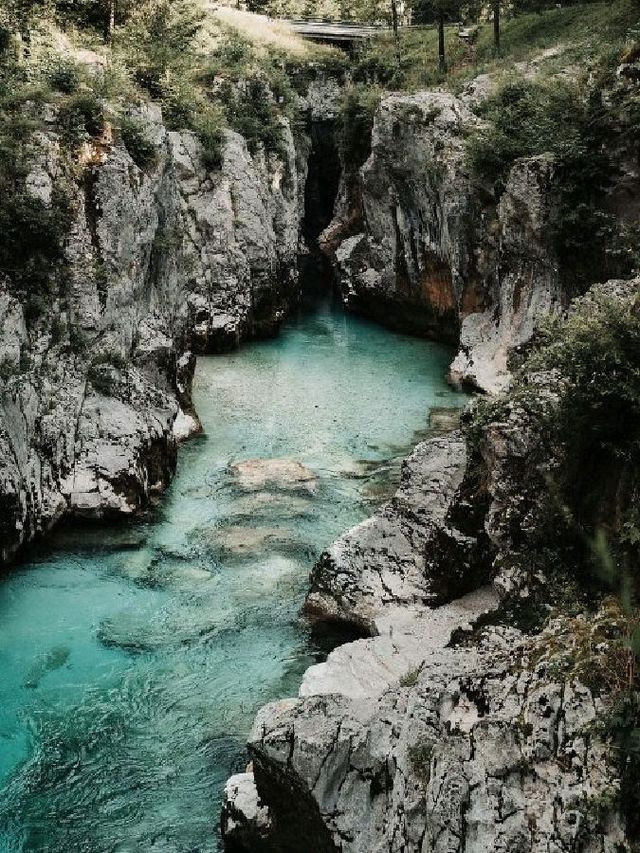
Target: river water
[(132, 659)]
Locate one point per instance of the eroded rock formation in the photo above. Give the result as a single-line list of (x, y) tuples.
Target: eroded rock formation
[(162, 263), (434, 733)]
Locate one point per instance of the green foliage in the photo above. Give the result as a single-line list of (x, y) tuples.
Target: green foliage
[(33, 232), (209, 127), (136, 140), (356, 122), (622, 725), (410, 678), (587, 448), (251, 111), (64, 75), (574, 123), (158, 42), (566, 26), (81, 115)]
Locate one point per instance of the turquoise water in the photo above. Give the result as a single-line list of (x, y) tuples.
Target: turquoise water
[(133, 659)]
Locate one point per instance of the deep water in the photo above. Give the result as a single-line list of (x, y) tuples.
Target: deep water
[(133, 659)]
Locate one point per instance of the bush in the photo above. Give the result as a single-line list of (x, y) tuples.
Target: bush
[(63, 75), (158, 43), (575, 124), (251, 112), (586, 448), (134, 136), (81, 115), (209, 128), (356, 122)]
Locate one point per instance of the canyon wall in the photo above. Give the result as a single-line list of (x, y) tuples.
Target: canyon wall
[(423, 245), (466, 719), (160, 263)]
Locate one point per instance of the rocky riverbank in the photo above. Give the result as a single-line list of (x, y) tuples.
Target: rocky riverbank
[(462, 722), (161, 263)]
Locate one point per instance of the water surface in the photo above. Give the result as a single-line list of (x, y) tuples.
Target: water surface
[(133, 659)]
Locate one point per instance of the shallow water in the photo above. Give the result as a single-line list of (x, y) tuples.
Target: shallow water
[(133, 659)]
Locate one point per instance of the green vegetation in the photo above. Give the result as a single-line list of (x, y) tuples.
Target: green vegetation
[(575, 122), (31, 249), (136, 140), (590, 426), (358, 109), (523, 36), (578, 396), (410, 678)]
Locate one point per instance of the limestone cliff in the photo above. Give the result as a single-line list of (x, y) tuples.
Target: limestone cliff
[(421, 244), (160, 263), (448, 728)]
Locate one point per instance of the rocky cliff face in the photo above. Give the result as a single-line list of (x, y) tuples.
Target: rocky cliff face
[(161, 263), (434, 733), (420, 244)]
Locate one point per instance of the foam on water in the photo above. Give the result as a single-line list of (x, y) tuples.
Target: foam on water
[(132, 660)]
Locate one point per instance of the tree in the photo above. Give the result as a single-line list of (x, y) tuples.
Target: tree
[(158, 41), (438, 12), (394, 24), (496, 25)]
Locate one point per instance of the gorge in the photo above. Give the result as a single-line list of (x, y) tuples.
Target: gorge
[(464, 652)]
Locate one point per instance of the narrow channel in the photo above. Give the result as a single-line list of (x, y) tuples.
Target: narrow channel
[(134, 658)]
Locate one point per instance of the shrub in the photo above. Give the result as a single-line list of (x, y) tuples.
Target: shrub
[(134, 136), (158, 42), (209, 128), (251, 112), (574, 122), (63, 75), (579, 391), (80, 115)]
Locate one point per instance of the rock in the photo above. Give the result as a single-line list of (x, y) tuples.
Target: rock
[(530, 285), (411, 552), (470, 752), (242, 541), (405, 636), (244, 820), (409, 265), (274, 474), (420, 244), (160, 263)]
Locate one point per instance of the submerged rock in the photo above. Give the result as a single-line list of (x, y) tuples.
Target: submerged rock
[(273, 474), (54, 659)]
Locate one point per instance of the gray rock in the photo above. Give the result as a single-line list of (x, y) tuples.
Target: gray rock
[(161, 263), (411, 552), (471, 752)]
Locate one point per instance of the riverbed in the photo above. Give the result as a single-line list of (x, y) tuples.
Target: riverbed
[(133, 658)]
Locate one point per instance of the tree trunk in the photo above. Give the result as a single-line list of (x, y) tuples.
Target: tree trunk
[(496, 26), (110, 22), (396, 34), (442, 59)]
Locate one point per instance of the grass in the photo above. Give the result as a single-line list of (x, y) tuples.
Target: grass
[(583, 31)]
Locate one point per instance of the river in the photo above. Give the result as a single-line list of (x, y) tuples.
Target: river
[(133, 658)]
